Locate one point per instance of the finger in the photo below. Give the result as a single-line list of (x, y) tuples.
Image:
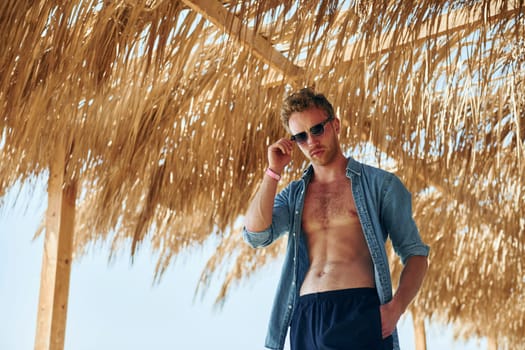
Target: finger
[(288, 149), (288, 144), (284, 147), (278, 148), (384, 331)]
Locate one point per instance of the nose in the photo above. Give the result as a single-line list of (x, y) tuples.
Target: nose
[(311, 140)]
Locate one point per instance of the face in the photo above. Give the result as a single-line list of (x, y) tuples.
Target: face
[(319, 148)]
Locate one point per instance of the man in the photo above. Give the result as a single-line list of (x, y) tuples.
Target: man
[(335, 290)]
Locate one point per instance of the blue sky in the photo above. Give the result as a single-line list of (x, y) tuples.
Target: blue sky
[(116, 306)]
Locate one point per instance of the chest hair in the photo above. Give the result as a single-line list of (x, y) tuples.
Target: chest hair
[(329, 202)]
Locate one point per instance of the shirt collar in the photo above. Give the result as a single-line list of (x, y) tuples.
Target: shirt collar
[(352, 166)]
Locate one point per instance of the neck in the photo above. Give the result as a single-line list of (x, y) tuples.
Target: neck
[(333, 171)]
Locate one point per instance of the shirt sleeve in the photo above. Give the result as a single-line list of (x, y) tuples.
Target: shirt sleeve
[(398, 221), (279, 226)]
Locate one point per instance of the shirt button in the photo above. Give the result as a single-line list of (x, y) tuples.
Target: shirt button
[(289, 306), (297, 212)]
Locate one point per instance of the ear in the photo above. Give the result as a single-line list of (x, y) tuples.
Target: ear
[(337, 125)]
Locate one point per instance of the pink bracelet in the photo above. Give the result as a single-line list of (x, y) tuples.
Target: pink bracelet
[(272, 174)]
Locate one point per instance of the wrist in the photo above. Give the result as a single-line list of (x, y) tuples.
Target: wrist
[(278, 169), (397, 306), (273, 174)]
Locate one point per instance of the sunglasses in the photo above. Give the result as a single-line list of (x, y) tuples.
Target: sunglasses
[(316, 130)]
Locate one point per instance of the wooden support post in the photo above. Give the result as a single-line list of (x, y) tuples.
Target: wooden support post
[(419, 333), (57, 255), (492, 341)]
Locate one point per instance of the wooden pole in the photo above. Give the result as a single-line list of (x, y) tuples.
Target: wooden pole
[(492, 341), (57, 255), (419, 333)]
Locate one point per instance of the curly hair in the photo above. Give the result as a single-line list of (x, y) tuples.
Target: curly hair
[(302, 100)]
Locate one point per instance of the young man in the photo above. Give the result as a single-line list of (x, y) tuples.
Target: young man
[(335, 290)]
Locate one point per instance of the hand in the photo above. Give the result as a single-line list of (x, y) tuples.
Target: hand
[(389, 318), (280, 154)]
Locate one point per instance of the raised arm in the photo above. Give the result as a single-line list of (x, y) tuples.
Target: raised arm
[(259, 214)]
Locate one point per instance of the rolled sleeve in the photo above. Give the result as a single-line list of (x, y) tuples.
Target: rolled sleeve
[(399, 223), (419, 249), (257, 239)]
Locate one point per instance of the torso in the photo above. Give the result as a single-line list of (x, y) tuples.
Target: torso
[(339, 255)]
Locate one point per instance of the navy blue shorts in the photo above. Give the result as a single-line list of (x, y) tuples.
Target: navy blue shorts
[(347, 319)]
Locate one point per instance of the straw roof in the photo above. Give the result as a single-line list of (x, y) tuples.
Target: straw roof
[(165, 109)]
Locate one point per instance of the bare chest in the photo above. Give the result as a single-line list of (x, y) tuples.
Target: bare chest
[(329, 205)]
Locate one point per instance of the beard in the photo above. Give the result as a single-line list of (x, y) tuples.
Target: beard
[(324, 154)]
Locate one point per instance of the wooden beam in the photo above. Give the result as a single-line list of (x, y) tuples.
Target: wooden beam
[(215, 12), (57, 255), (447, 23)]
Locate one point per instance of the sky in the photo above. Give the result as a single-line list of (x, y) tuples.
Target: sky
[(116, 305)]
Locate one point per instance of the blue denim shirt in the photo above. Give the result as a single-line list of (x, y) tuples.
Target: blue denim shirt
[(384, 207)]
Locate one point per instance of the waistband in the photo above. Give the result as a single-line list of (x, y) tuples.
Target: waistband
[(339, 294)]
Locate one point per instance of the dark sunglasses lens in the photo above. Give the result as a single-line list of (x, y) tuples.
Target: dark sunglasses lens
[(300, 137), (317, 130)]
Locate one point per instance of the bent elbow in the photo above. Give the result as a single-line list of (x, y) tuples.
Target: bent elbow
[(257, 239)]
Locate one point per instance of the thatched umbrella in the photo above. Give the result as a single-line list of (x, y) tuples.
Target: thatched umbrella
[(153, 116)]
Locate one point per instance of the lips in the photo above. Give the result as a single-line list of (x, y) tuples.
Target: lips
[(316, 152)]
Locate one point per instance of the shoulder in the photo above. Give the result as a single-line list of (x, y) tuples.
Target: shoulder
[(369, 171), (377, 180)]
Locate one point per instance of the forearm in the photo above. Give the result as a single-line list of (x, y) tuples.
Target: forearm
[(259, 214), (410, 282)]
